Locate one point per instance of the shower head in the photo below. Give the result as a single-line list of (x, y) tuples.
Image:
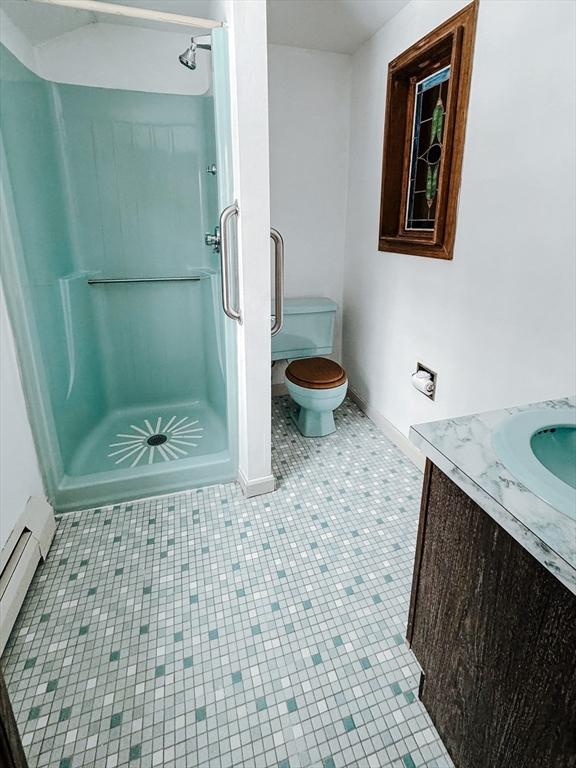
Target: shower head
[(188, 58)]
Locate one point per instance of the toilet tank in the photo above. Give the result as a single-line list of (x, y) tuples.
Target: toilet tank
[(308, 329)]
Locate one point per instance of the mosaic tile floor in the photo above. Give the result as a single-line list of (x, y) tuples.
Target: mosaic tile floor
[(203, 630)]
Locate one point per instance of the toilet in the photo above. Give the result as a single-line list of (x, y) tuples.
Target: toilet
[(316, 384)]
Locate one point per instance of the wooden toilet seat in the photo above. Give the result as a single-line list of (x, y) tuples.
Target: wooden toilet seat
[(316, 373)]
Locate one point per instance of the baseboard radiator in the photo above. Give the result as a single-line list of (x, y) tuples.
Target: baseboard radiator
[(27, 545)]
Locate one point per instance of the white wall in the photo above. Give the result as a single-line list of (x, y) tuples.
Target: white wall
[(112, 56), (309, 114), (249, 86), (19, 473), (498, 322), (16, 42), (123, 56)]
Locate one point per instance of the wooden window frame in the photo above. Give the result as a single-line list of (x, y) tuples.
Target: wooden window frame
[(451, 43)]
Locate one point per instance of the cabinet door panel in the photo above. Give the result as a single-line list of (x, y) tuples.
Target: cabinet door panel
[(495, 634)]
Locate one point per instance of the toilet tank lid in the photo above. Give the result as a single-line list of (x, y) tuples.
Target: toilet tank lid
[(303, 306)]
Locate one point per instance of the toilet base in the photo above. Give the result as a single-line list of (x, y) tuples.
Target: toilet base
[(313, 423)]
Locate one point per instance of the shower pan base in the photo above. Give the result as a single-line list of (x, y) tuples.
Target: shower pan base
[(144, 451)]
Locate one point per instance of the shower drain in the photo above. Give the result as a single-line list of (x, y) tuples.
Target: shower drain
[(161, 439), (157, 440)]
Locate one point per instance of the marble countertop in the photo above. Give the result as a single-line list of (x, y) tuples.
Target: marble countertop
[(462, 449)]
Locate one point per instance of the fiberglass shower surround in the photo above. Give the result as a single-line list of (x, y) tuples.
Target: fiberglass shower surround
[(108, 187)]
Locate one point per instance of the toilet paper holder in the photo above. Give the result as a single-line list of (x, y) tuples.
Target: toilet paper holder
[(433, 378)]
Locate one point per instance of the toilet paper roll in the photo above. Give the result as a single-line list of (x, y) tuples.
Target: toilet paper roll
[(423, 383)]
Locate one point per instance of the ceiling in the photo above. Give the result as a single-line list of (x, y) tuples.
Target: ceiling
[(327, 25)]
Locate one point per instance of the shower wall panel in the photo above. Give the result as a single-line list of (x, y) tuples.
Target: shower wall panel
[(109, 183), (142, 199), (142, 202), (33, 176)]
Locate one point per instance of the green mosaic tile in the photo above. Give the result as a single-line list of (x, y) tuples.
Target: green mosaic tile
[(287, 688), (135, 752), (348, 723), (410, 698)]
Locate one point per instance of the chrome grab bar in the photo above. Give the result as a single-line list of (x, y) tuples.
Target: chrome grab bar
[(278, 280), (225, 216), (108, 280)]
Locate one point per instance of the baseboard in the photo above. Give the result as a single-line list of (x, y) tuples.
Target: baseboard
[(255, 487), (27, 544), (279, 389), (389, 430)]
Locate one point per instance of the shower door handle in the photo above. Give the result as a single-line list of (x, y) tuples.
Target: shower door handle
[(225, 216), (278, 280)]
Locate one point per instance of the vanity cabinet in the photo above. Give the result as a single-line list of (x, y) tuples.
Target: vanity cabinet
[(495, 635)]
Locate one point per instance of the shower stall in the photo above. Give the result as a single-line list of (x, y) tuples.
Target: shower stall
[(114, 292)]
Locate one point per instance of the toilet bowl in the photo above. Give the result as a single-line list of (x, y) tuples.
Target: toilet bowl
[(317, 386)]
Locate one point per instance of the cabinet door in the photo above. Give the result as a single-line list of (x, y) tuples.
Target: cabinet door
[(495, 634), (11, 751)]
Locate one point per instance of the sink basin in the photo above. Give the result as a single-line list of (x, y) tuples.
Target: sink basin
[(539, 448), (555, 447)]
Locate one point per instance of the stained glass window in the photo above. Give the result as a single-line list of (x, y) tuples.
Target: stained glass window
[(426, 150)]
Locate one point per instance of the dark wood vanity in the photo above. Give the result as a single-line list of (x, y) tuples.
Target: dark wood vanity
[(494, 632)]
